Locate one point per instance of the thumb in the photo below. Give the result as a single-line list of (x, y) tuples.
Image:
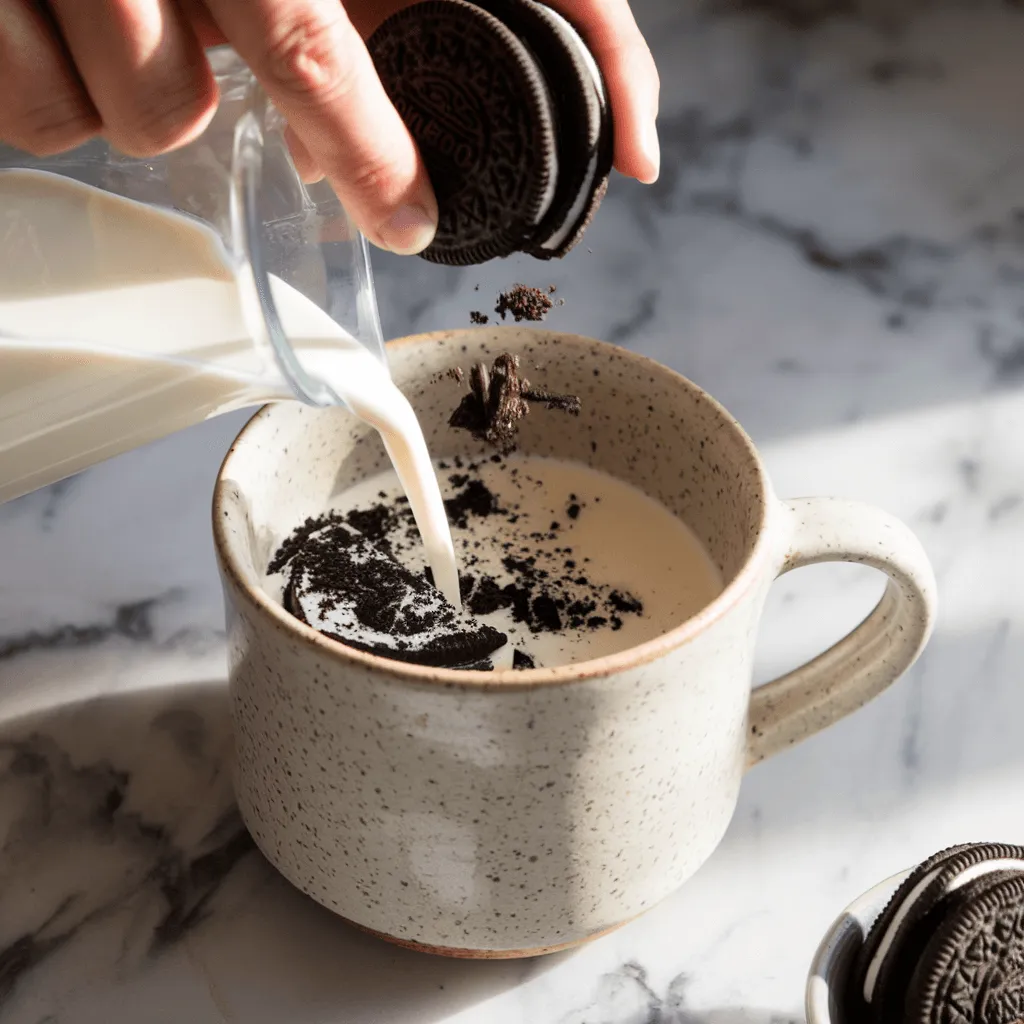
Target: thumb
[(314, 66)]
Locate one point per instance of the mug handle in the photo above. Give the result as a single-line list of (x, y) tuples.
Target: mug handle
[(871, 657)]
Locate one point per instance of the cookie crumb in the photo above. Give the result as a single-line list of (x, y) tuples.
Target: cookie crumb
[(345, 581), (456, 374), (524, 303), (521, 660), (499, 399), (476, 317)]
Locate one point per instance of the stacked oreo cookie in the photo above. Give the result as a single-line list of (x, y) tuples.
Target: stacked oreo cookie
[(949, 946), (509, 111)]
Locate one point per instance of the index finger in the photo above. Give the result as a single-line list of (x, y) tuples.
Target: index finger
[(613, 36), (315, 68)]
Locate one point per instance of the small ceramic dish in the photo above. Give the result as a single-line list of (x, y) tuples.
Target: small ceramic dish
[(825, 996)]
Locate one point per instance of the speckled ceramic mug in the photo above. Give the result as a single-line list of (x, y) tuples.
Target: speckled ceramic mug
[(514, 813)]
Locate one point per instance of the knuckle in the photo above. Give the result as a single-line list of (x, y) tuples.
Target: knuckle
[(305, 55), (166, 117), (51, 126), (375, 181)]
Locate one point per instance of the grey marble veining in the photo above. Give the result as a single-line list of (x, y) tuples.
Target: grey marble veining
[(836, 251)]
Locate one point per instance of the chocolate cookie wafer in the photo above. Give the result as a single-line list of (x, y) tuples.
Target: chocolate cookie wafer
[(583, 127), (350, 590), (972, 970), (509, 111), (479, 109), (883, 979)]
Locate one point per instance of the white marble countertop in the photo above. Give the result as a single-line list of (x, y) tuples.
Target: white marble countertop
[(836, 250)]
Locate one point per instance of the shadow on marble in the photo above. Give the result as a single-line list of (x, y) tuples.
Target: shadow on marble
[(122, 858), (950, 726)]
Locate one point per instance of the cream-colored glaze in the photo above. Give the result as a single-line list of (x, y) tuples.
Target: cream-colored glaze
[(510, 812), (120, 323), (621, 539)]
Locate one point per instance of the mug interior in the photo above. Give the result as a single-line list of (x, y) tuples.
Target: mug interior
[(639, 422)]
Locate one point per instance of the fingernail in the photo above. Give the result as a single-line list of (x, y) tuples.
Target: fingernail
[(409, 230), (651, 150)]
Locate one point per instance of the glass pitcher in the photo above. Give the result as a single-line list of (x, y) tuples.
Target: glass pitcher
[(111, 335)]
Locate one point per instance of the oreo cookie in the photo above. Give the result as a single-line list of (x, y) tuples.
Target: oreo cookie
[(972, 971), (348, 588), (509, 111), (898, 961)]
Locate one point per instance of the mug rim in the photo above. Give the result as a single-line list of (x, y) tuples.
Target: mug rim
[(508, 679)]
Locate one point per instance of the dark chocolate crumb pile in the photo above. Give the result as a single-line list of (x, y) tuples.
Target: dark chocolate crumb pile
[(358, 569), (524, 303), (498, 399), (347, 584), (543, 594), (547, 602), (474, 498), (545, 597), (522, 660)]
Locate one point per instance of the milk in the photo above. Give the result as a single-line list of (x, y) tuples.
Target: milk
[(618, 538), (120, 323)]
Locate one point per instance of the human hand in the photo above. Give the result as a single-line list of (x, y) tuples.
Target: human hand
[(134, 71), (611, 33), (615, 40)]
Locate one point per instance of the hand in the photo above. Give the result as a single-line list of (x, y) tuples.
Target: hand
[(134, 71), (631, 76), (625, 61)]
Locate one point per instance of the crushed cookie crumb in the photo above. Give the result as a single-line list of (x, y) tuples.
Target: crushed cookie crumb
[(499, 399), (524, 303)]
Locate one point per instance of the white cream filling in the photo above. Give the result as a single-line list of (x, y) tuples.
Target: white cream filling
[(576, 210), (583, 196), (549, 190), (986, 867), (582, 50)]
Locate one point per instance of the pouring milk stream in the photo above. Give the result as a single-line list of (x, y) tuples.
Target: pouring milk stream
[(121, 322)]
